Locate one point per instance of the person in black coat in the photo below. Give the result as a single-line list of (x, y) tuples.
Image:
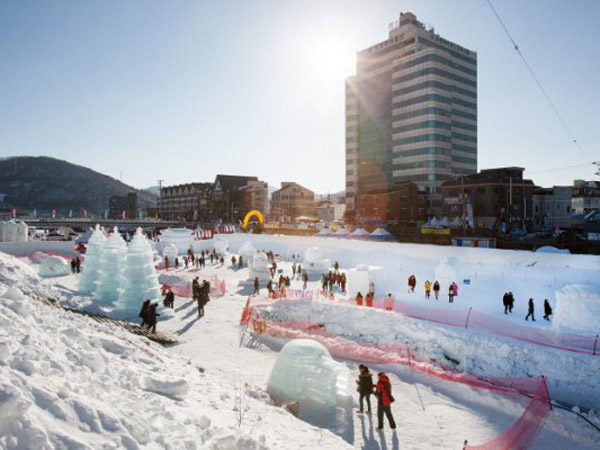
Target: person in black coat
[(150, 317), (143, 311), (511, 302), (547, 309), (530, 310), (505, 302), (365, 387), (256, 286)]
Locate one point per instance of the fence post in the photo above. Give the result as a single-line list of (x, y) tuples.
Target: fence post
[(408, 352), (468, 315), (595, 344)]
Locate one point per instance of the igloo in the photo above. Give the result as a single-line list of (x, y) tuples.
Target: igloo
[(577, 309), (54, 266), (314, 263), (306, 373), (170, 251), (445, 273), (221, 245), (259, 268)]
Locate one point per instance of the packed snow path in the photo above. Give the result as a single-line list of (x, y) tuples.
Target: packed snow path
[(161, 338)]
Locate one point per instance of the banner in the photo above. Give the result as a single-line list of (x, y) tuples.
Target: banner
[(14, 213), (54, 213), (470, 216)]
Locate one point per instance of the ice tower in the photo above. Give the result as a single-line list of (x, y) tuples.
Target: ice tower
[(110, 272), (89, 275), (140, 281)]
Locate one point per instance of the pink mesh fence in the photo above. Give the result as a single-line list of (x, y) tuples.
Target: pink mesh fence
[(182, 287), (518, 436), (468, 318)]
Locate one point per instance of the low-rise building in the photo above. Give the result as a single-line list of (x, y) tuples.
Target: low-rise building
[(552, 208), (496, 196), (330, 212), (292, 201), (403, 203), (186, 202), (586, 198), (256, 196)]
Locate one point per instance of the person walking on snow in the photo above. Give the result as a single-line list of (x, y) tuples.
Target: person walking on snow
[(547, 309), (150, 317), (427, 289), (530, 310), (450, 295), (505, 302), (255, 286), (145, 307), (365, 387), (412, 282), (436, 289), (511, 302), (383, 391), (304, 279)]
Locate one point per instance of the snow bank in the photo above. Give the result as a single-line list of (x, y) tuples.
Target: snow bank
[(577, 309), (67, 381)]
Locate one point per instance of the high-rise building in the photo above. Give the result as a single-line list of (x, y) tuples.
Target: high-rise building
[(411, 113)]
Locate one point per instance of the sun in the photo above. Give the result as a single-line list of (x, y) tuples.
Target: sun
[(328, 57)]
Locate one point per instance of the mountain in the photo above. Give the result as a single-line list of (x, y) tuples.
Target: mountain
[(47, 183)]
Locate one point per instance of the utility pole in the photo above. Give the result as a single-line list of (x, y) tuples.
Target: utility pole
[(160, 197)]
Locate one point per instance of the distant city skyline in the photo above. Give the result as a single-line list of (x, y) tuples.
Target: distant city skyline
[(181, 91)]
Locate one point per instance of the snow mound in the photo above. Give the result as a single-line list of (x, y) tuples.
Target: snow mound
[(13, 293), (54, 266), (551, 249), (173, 388), (577, 309)]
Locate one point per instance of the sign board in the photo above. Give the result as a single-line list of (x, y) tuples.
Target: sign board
[(425, 230)]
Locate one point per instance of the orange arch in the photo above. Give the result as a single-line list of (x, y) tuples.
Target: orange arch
[(254, 213)]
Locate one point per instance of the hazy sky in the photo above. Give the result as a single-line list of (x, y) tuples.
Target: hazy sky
[(183, 90)]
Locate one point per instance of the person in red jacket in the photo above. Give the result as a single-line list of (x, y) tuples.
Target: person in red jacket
[(383, 391)]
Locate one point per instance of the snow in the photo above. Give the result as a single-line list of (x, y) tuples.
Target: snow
[(577, 310), (69, 382), (54, 266)]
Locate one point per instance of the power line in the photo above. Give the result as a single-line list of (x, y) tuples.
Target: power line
[(518, 50)]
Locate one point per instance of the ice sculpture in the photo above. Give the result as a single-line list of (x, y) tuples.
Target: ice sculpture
[(91, 264), (170, 251), (10, 233), (54, 266), (358, 281), (247, 252), (306, 373), (221, 245), (314, 262), (259, 268), (140, 281), (110, 272), (444, 273)]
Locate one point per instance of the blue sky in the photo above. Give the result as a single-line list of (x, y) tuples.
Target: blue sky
[(182, 90)]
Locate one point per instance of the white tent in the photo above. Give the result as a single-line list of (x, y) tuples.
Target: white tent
[(434, 222), (382, 234), (324, 232), (342, 232), (359, 233), (444, 222), (456, 223)]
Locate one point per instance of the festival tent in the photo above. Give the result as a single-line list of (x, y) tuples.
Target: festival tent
[(434, 222), (381, 234), (359, 233), (456, 223), (342, 232), (444, 222), (324, 232)]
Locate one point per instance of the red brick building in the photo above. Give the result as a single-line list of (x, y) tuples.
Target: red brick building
[(403, 203)]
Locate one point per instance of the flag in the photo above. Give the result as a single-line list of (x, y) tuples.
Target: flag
[(124, 214), (141, 215), (71, 213), (54, 213), (14, 213), (35, 212), (106, 213), (85, 212)]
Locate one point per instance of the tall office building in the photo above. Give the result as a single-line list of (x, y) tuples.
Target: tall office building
[(411, 113)]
